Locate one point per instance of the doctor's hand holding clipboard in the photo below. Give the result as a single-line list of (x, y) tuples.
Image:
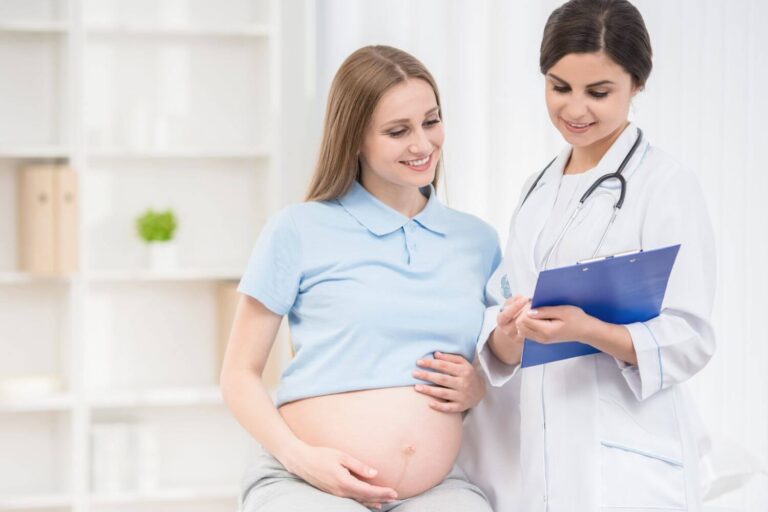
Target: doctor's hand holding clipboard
[(574, 307), (561, 332)]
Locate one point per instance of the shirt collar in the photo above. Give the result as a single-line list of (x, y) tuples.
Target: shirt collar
[(380, 219)]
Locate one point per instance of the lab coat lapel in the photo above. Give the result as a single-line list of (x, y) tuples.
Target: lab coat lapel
[(532, 215)]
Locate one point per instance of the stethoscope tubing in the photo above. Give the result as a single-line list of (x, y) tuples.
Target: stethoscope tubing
[(617, 175)]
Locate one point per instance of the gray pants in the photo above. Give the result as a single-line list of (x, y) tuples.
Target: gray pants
[(269, 487)]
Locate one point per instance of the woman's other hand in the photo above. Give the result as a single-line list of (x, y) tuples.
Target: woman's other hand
[(458, 386), (338, 473)]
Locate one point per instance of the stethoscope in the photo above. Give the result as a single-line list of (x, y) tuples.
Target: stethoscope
[(599, 181)]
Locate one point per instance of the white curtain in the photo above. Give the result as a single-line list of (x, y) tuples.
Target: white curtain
[(705, 103)]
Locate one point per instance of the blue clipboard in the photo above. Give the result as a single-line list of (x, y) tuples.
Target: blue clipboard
[(619, 289)]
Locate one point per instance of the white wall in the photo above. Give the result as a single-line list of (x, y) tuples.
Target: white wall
[(705, 103)]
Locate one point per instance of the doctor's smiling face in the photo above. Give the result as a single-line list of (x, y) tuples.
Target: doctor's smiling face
[(402, 144), (588, 97)]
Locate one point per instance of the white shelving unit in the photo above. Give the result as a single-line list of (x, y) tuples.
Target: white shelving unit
[(32, 152), (155, 103)]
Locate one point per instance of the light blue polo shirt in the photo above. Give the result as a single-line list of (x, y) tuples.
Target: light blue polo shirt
[(369, 291)]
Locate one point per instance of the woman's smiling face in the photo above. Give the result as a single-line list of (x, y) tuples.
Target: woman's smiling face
[(588, 97), (402, 145)]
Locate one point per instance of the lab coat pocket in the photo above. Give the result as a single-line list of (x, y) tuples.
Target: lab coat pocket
[(637, 478)]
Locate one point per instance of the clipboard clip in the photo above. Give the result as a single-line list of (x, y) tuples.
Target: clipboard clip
[(617, 255)]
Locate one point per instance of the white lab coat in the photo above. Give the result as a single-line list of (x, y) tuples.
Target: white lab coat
[(617, 437)]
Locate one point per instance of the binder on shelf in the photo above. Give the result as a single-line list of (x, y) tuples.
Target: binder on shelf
[(48, 220), (619, 289), (37, 251), (65, 208)]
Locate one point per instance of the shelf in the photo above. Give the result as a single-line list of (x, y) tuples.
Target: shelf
[(34, 27), (35, 450), (35, 502), (171, 397), (169, 495), (59, 402), (35, 152), (256, 31), (148, 154), (24, 278), (171, 104), (120, 276)]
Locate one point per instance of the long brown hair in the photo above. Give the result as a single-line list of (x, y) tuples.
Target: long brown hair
[(359, 83)]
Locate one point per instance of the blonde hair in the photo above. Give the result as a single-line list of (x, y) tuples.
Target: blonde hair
[(359, 83)]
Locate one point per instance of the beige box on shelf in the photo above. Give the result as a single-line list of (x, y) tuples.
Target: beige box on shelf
[(281, 352), (65, 209), (48, 220), (37, 253)]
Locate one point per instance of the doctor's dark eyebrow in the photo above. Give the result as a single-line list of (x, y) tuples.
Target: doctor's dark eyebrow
[(595, 84), (399, 121)]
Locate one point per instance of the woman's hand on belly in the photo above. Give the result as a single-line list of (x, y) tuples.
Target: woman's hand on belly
[(411, 445), (459, 386), (340, 474)]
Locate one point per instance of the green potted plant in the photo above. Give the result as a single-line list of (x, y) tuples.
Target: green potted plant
[(156, 229)]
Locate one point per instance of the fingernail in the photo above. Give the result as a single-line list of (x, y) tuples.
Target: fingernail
[(419, 387), (438, 353), (371, 471), (420, 361), (532, 312)]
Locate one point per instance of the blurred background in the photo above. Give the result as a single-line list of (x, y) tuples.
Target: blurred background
[(144, 142)]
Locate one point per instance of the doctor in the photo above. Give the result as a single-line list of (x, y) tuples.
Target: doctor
[(613, 431)]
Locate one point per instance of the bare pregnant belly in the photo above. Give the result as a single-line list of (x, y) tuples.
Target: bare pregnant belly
[(393, 430)]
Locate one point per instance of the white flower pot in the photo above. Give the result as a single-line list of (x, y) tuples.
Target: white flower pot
[(162, 256)]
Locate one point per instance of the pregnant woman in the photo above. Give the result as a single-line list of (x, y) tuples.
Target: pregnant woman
[(377, 277)]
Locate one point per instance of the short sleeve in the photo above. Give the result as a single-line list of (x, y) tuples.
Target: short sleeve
[(273, 273)]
